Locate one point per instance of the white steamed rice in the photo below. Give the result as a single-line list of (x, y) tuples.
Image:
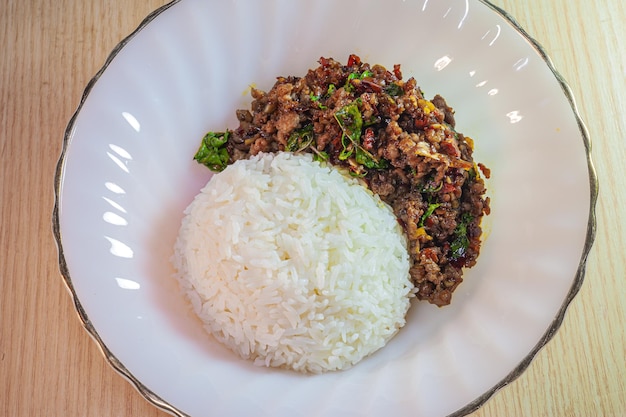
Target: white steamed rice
[(292, 264)]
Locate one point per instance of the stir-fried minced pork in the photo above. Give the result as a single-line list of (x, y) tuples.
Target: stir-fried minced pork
[(370, 121)]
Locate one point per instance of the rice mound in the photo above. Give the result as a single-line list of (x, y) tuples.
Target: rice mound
[(292, 264)]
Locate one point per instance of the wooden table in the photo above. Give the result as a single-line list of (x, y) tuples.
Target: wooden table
[(48, 364)]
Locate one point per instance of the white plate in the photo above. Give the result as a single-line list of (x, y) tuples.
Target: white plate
[(126, 174)]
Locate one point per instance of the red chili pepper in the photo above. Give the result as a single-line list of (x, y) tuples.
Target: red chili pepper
[(448, 188), (354, 60), (421, 123), (324, 62), (486, 171), (449, 149), (369, 138), (459, 262), (397, 72), (431, 254), (429, 221)]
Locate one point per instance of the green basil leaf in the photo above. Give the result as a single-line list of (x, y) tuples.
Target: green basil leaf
[(368, 160), (394, 90), (348, 148), (300, 139), (459, 245), (320, 156), (316, 99), (350, 120), (431, 208), (212, 151)]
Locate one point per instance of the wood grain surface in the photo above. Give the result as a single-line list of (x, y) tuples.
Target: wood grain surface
[(49, 366)]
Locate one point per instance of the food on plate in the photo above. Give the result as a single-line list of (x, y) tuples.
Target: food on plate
[(404, 147), (291, 263)]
